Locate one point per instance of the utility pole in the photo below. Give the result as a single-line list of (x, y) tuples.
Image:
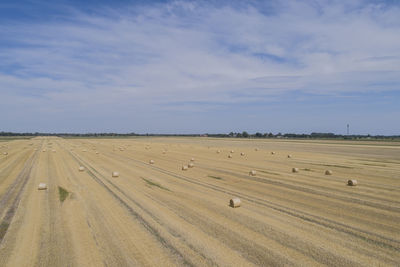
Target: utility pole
[(348, 126)]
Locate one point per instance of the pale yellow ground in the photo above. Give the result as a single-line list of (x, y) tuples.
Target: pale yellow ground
[(158, 215)]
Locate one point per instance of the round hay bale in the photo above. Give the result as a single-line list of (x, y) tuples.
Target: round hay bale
[(352, 182), (242, 154), (97, 152), (256, 149), (81, 168), (273, 153), (252, 173), (151, 161), (184, 168), (5, 153), (295, 170), (192, 159), (234, 202), (328, 172), (191, 165), (84, 150), (115, 174), (44, 150), (232, 151), (230, 156), (164, 152), (218, 151), (289, 156), (54, 151), (42, 186)]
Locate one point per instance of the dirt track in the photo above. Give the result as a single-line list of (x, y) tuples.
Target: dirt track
[(158, 215)]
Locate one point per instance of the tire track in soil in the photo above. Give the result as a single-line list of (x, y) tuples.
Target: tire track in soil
[(9, 202), (379, 240), (166, 244)]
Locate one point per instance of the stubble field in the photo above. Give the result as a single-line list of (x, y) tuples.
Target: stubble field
[(160, 215)]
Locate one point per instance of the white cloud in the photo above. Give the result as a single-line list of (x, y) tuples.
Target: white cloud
[(183, 52)]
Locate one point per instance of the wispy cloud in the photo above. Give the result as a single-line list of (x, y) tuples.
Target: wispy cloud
[(149, 58)]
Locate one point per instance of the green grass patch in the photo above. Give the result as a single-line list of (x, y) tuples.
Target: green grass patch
[(374, 164), (3, 229), (151, 183), (267, 172), (62, 193), (337, 166), (215, 177)]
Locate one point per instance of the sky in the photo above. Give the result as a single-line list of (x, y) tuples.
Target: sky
[(200, 66)]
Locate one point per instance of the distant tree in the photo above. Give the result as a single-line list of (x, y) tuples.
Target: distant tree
[(259, 135), (245, 134)]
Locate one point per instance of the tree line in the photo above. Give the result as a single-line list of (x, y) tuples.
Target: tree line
[(243, 134)]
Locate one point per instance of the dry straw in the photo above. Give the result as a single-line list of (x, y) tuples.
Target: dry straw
[(234, 202)]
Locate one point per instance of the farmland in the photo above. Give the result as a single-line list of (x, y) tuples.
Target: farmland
[(160, 215)]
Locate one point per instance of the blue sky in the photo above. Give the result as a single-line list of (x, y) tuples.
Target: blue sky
[(197, 67)]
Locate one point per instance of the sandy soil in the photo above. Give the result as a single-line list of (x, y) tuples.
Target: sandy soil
[(158, 215)]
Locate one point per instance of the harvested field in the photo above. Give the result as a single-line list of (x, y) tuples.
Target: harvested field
[(159, 215)]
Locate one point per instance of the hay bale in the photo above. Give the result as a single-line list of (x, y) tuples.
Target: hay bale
[(54, 150), (151, 161), (97, 152), (191, 165), (218, 151), (84, 150), (5, 153), (234, 202), (273, 153), (230, 156), (289, 156), (44, 150), (256, 149), (42, 186), (115, 174), (232, 151), (328, 172), (242, 154), (184, 168), (192, 159), (252, 173), (295, 170), (81, 168), (352, 182)]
